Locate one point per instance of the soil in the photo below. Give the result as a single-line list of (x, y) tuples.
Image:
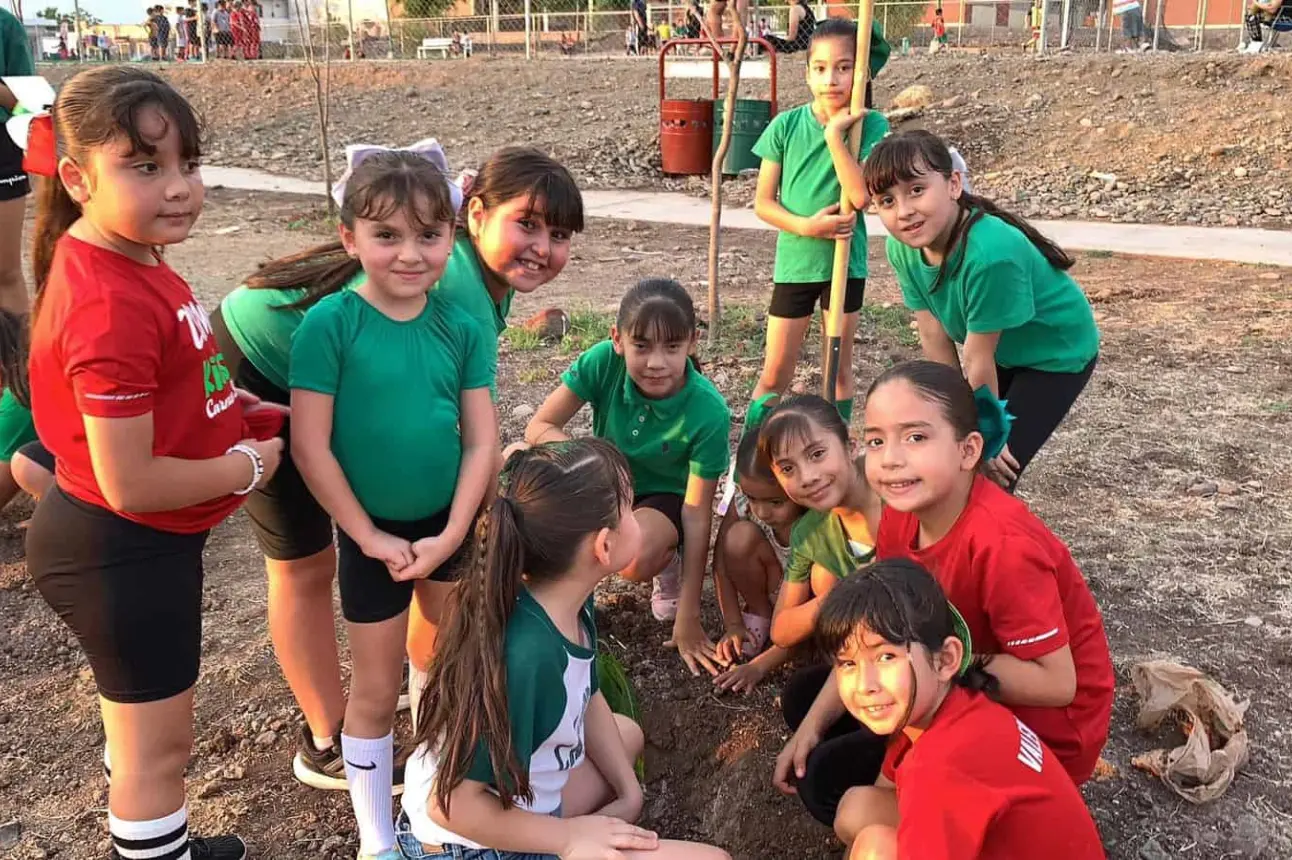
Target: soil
[(1197, 138), (1169, 481)]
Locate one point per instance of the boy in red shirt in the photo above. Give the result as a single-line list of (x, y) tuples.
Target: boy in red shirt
[(972, 781)]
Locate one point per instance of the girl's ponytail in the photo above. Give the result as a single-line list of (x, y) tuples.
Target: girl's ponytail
[(465, 701), (56, 211)]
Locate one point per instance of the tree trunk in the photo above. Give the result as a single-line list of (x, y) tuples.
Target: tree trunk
[(719, 157)]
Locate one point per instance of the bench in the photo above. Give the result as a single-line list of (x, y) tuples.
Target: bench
[(432, 45)]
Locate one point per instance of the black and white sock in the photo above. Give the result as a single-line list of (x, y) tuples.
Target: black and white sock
[(160, 839)]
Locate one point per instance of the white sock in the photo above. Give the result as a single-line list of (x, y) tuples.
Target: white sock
[(322, 744), (417, 679), (143, 840), (368, 766)]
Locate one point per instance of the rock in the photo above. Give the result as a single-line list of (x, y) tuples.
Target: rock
[(1203, 489), (1086, 122), (1253, 621), (10, 833), (1240, 172), (953, 102), (266, 739), (1226, 488), (411, 93), (235, 772), (916, 96), (522, 411), (585, 105), (1270, 276)]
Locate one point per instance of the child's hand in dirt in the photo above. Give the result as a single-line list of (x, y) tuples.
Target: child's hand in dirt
[(732, 642), (740, 679), (428, 554), (791, 764), (603, 837), (829, 224), (695, 648), (394, 552)]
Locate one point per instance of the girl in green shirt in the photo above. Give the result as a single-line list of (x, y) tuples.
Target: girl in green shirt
[(514, 234), (987, 281)]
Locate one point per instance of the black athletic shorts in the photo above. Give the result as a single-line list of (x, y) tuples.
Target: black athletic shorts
[(668, 504), (224, 39), (38, 454), (130, 593), (14, 183), (288, 522), (795, 301), (368, 592)]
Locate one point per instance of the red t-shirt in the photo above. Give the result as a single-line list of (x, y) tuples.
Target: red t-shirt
[(978, 784), (117, 339), (1021, 593)]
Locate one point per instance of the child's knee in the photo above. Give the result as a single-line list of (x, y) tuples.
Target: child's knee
[(740, 545), (877, 842), (633, 737), (863, 807)]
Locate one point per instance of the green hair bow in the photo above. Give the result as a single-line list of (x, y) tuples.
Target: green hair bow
[(994, 421), (757, 412)]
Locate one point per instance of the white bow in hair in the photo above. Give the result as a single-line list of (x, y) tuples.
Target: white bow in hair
[(429, 149), (33, 95)]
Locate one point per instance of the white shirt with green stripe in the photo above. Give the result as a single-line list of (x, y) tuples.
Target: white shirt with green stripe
[(550, 681)]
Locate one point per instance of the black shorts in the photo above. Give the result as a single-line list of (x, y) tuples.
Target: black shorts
[(225, 39), (668, 504), (38, 454), (130, 593), (368, 593), (795, 301), (289, 524), (14, 183)]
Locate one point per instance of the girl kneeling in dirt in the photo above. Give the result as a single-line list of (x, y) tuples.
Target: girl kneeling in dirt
[(131, 395), (519, 756), (971, 779), (395, 435), (805, 441), (651, 401), (750, 555), (521, 210), (1032, 616), (982, 278)]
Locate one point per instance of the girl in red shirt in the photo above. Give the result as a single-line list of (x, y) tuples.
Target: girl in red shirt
[(964, 778), (1031, 613), (134, 401)]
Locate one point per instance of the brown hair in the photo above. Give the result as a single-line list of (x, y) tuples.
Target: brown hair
[(508, 173), (939, 384), (381, 185), (906, 155), (793, 418), (550, 498), (13, 356), (94, 109)]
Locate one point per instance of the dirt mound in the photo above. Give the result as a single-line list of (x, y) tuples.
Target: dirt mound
[(1201, 139)]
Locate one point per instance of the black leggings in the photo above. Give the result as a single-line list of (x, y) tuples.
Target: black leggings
[(1038, 400), (849, 754)]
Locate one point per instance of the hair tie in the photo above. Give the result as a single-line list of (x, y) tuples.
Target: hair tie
[(31, 127), (429, 149), (994, 421)]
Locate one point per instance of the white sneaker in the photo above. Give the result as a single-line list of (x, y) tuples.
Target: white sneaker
[(665, 591)]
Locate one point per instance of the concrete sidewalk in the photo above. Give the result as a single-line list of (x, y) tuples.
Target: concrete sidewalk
[(1232, 244)]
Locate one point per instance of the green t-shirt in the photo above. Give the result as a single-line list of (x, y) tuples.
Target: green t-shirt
[(397, 387), (1003, 283), (796, 141), (16, 426), (820, 538), (550, 681), (665, 441), (464, 283), (15, 52)]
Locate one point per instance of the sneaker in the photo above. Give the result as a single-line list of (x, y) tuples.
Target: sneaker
[(760, 630), (325, 769), (217, 848), (665, 591)]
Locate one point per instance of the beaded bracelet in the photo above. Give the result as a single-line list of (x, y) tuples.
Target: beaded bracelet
[(257, 466)]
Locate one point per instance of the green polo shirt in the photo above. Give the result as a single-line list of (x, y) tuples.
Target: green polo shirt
[(819, 538), (665, 441), (397, 387), (796, 141), (15, 53), (262, 326), (1004, 284)]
